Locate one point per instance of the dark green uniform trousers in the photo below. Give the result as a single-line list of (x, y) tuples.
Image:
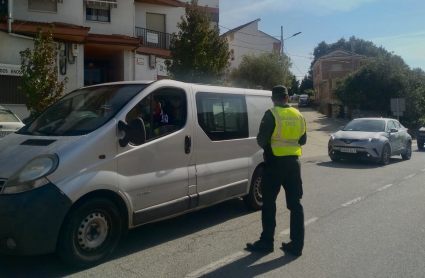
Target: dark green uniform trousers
[(283, 171)]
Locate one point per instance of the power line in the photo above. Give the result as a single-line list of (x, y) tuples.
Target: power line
[(292, 61), (249, 34)]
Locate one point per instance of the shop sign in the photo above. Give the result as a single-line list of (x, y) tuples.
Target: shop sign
[(14, 70)]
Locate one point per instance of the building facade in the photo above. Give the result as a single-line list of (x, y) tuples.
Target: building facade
[(104, 40), (247, 39), (327, 70)]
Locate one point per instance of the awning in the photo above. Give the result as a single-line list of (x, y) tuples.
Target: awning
[(102, 3)]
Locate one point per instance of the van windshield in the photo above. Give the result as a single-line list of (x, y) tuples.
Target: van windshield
[(83, 111)]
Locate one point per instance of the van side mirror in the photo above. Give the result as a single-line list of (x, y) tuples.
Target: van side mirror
[(135, 132)]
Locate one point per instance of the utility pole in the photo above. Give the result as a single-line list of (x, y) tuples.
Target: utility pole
[(282, 54)]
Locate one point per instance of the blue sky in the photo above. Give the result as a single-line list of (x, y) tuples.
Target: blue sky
[(397, 25)]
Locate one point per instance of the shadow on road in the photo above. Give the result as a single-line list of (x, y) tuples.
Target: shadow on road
[(356, 164), (244, 268), (136, 240)]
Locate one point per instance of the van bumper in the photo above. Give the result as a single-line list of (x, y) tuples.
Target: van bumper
[(32, 220)]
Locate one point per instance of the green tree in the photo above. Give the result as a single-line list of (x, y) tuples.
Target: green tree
[(39, 80), (306, 84), (264, 70), (295, 86), (198, 52)]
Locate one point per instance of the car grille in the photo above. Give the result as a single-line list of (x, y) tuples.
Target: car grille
[(4, 133)]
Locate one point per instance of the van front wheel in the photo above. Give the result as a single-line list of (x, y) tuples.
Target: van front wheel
[(90, 233), (254, 200)]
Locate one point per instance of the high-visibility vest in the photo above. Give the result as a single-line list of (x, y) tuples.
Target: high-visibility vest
[(290, 126)]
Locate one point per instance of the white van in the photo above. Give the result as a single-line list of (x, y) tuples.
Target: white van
[(112, 157)]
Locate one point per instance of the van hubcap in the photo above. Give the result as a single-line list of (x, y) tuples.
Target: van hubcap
[(92, 231), (257, 190)]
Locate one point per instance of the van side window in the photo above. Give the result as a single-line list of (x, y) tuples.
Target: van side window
[(222, 116), (163, 112)]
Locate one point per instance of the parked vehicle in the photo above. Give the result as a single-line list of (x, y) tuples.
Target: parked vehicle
[(375, 139), (9, 122), (303, 100), (421, 138), (112, 157), (294, 97)]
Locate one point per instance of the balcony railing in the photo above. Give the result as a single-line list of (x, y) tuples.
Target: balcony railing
[(153, 38)]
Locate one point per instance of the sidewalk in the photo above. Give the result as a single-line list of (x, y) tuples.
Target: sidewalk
[(319, 130)]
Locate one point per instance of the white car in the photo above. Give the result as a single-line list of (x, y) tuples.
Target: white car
[(9, 122), (112, 157)]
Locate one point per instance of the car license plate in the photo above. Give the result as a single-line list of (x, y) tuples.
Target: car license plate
[(345, 150)]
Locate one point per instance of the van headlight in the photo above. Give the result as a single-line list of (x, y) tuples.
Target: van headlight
[(32, 175)]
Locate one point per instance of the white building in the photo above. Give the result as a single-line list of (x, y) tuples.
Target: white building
[(106, 40), (247, 39)]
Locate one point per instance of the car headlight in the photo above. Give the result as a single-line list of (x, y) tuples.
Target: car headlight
[(32, 175), (374, 139), (333, 137)]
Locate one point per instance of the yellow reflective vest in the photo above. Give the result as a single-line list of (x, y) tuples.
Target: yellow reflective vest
[(290, 126)]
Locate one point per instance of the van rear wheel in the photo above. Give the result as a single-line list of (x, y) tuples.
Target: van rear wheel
[(90, 233), (254, 200)]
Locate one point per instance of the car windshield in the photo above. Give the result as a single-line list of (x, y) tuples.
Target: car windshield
[(7, 116), (83, 111), (366, 126)]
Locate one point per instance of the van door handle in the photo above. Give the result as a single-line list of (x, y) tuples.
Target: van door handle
[(187, 144)]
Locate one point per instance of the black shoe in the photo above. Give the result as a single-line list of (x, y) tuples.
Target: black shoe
[(260, 246), (289, 247)]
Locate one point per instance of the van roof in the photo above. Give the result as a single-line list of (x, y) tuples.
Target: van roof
[(197, 87)]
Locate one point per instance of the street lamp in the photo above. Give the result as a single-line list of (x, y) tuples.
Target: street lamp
[(283, 49)]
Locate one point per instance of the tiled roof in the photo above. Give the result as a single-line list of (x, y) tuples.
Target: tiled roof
[(234, 30), (57, 24)]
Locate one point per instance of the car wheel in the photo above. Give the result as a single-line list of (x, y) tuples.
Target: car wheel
[(420, 145), (408, 154), (335, 159), (386, 155), (90, 233), (254, 199)]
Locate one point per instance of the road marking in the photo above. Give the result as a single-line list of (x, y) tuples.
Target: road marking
[(215, 265), (423, 170), (352, 202), (287, 231), (408, 177), (385, 187)]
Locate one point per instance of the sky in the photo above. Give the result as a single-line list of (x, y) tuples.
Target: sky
[(397, 25)]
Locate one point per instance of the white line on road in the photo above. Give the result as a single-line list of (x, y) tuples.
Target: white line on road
[(352, 202), (423, 170), (215, 265), (312, 220), (385, 187), (409, 176)]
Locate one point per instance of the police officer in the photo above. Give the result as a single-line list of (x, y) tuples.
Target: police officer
[(282, 132)]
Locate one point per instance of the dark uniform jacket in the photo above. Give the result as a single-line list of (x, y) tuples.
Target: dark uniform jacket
[(267, 127)]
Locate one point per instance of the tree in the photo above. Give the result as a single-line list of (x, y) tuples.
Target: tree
[(306, 84), (263, 70), (198, 52), (295, 84), (39, 80)]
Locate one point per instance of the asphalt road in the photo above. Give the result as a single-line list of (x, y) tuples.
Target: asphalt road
[(363, 220)]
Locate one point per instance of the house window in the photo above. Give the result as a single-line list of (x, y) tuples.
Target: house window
[(3, 7), (222, 116), (336, 67), (41, 5), (101, 14), (155, 22)]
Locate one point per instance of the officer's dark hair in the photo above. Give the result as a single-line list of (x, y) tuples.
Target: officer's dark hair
[(279, 93)]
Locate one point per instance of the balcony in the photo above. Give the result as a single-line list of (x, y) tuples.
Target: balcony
[(154, 39)]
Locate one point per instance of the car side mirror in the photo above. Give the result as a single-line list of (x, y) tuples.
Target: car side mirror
[(135, 132), (394, 130)]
